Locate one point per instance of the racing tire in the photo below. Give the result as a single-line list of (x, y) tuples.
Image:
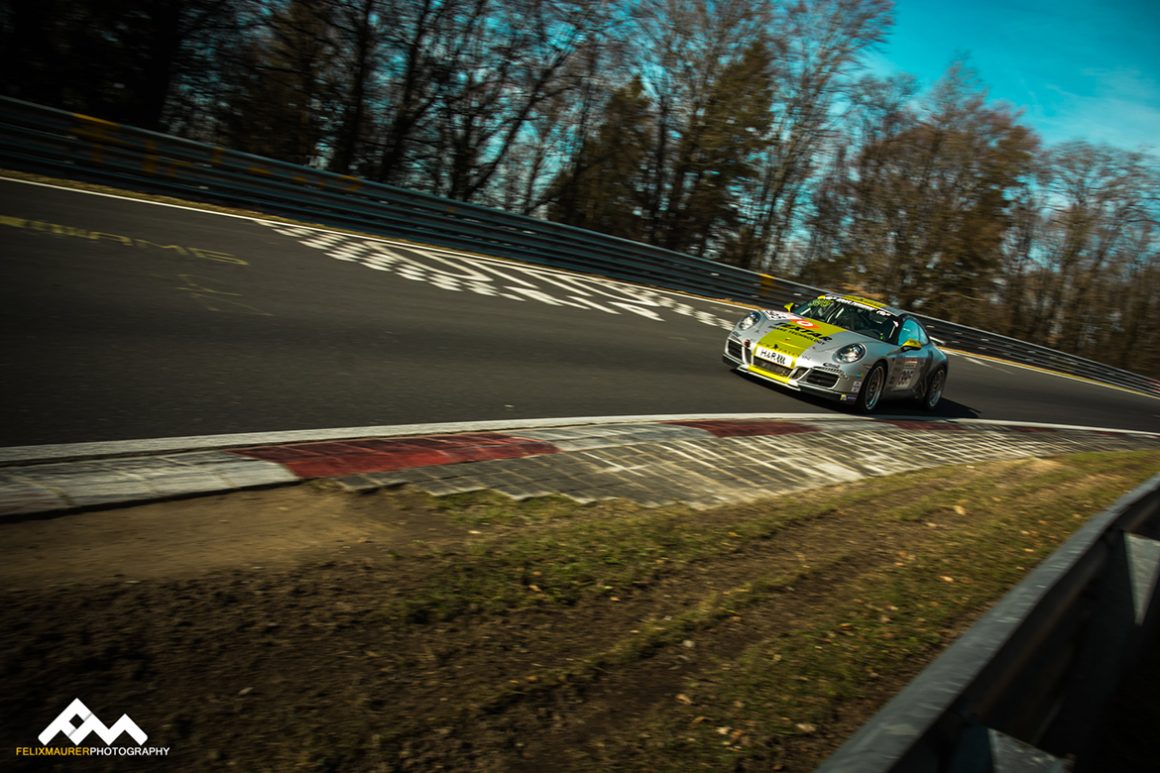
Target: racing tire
[(932, 392), (872, 388)]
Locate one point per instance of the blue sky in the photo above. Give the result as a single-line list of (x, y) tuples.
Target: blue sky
[(1078, 70)]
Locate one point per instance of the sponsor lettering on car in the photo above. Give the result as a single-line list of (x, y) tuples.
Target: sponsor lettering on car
[(854, 341), (776, 357), (794, 327)]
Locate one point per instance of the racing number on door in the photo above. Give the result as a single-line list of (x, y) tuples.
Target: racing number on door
[(907, 369), (906, 372)]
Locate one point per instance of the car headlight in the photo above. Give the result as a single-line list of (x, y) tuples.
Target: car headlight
[(750, 320), (850, 353)]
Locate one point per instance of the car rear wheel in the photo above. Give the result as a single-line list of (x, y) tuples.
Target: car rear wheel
[(934, 389), (872, 388)]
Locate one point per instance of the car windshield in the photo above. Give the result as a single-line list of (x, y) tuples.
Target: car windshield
[(880, 325)]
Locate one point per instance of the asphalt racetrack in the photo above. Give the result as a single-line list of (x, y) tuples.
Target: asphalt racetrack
[(125, 320)]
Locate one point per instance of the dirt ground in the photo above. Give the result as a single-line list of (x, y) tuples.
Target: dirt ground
[(270, 630), (248, 631)]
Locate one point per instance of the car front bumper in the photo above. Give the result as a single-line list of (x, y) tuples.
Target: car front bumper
[(825, 379)]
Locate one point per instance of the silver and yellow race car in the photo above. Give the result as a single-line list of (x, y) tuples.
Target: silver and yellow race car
[(848, 348)]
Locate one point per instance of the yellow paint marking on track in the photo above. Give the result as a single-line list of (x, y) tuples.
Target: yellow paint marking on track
[(72, 232), (217, 300)]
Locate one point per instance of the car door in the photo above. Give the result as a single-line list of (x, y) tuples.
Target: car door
[(909, 365)]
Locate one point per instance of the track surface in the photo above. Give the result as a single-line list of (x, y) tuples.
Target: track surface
[(122, 319)]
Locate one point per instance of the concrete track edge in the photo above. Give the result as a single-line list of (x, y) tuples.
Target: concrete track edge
[(700, 460)]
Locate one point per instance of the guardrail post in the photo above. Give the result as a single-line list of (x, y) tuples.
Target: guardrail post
[(1123, 619), (1025, 690), (983, 750)]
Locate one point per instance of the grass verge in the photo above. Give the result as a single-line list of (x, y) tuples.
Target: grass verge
[(396, 631), (908, 560)]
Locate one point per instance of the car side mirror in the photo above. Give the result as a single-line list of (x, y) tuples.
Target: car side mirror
[(789, 307), (911, 344)]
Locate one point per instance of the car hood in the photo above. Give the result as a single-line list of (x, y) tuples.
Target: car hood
[(793, 335)]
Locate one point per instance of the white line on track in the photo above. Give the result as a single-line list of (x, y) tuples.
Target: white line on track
[(677, 293), (23, 454), (371, 237), (983, 363)]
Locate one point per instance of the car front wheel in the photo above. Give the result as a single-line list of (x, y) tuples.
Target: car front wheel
[(872, 388)]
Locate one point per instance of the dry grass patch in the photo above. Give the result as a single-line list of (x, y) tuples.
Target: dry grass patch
[(396, 631)]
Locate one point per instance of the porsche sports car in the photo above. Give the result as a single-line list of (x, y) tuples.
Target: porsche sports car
[(848, 348)]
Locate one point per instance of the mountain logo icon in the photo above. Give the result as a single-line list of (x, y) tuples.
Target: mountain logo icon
[(89, 723)]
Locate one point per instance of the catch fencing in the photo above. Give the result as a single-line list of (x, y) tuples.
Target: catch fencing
[(55, 143)]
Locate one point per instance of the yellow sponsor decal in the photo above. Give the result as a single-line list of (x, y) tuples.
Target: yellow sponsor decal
[(799, 333), (865, 301)]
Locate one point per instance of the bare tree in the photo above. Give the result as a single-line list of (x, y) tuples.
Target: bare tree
[(359, 37), (684, 47), (1102, 218), (817, 52), (879, 114), (156, 64), (479, 73), (285, 92), (927, 208)]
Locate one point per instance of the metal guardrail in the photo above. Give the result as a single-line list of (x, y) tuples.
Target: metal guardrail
[(1024, 688), (51, 142)]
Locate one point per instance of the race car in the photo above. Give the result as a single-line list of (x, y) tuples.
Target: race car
[(851, 349)]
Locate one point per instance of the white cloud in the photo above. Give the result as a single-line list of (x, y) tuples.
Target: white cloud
[(1122, 109)]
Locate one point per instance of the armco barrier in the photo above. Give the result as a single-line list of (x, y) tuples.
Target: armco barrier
[(53, 142), (56, 143), (1024, 688)]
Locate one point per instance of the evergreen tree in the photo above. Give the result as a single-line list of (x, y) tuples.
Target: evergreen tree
[(717, 155), (603, 187)]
